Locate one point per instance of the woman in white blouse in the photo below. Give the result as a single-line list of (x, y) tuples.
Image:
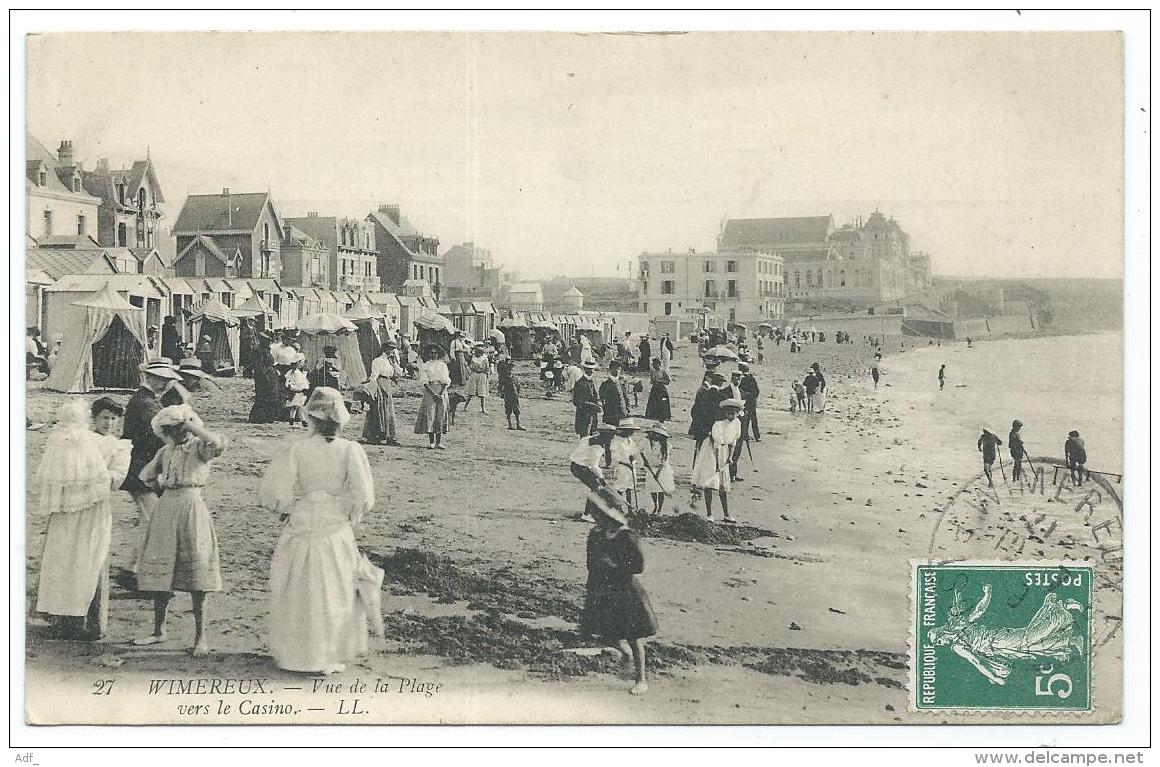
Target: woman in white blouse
[(380, 423), (322, 486), (434, 378)]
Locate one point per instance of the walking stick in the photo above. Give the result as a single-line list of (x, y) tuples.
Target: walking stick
[(1001, 469), (749, 450)]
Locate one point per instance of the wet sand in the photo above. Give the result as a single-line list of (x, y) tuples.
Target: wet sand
[(805, 622)]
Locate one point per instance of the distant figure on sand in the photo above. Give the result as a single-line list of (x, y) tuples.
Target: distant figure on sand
[(874, 371), (988, 444), (942, 377), (1076, 455), (1015, 445)]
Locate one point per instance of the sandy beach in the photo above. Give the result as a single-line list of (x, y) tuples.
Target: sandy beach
[(799, 616)]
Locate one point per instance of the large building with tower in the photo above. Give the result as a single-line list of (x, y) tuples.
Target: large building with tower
[(864, 261)]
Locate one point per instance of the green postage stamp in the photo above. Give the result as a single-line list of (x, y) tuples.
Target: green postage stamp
[(1001, 637)]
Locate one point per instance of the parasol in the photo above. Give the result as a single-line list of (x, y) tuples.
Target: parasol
[(722, 352)]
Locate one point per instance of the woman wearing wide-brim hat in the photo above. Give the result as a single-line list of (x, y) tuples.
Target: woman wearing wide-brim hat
[(616, 606), (320, 597), (626, 458), (181, 546), (379, 389)]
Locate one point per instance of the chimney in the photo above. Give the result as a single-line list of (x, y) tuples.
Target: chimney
[(392, 212), (65, 153), (103, 165), (312, 214), (225, 191)]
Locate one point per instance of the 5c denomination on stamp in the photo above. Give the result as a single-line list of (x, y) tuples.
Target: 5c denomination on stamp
[(1001, 636)]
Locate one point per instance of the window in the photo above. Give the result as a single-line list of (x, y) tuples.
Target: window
[(668, 267), (48, 222), (81, 225), (710, 288), (842, 277), (731, 288), (43, 177), (667, 287), (668, 307), (644, 307), (730, 266), (199, 265), (265, 234), (710, 266), (644, 287), (122, 235), (797, 279), (820, 278), (809, 279)]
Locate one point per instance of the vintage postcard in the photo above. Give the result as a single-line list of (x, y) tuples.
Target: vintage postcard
[(573, 378)]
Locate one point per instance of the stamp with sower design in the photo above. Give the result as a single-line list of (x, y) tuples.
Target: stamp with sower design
[(1002, 636)]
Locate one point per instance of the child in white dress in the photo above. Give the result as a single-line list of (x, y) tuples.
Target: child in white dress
[(711, 464), (658, 480), (297, 383), (625, 459)]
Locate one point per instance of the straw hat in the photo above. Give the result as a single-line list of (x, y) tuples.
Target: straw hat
[(588, 365), (735, 404), (605, 427), (326, 404), (657, 430), (627, 424), (191, 368), (174, 415), (162, 368), (1073, 433), (606, 502)]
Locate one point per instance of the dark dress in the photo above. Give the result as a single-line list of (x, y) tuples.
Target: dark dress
[(170, 342), (658, 407), (267, 406), (616, 605), (645, 356), (139, 412)]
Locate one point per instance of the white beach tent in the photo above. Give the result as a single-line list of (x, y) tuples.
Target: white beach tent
[(369, 322), (317, 331), (104, 344)]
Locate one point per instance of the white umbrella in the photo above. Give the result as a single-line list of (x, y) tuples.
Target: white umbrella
[(723, 352), (498, 335)]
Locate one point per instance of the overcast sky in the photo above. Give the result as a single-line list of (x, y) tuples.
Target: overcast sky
[(1001, 154)]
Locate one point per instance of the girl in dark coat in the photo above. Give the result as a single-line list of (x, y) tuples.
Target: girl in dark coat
[(658, 407), (616, 606)]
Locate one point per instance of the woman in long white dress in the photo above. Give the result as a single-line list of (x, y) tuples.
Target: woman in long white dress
[(322, 486), (78, 473)]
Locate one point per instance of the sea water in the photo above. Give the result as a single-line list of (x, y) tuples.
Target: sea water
[(1053, 384)]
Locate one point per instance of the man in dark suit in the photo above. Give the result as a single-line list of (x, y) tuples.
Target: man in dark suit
[(749, 393), (706, 407), (142, 406), (612, 399), (585, 399)]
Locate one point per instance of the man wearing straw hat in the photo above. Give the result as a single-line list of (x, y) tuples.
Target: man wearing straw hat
[(156, 375)]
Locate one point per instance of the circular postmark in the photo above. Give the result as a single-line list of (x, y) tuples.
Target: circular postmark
[(1046, 515)]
